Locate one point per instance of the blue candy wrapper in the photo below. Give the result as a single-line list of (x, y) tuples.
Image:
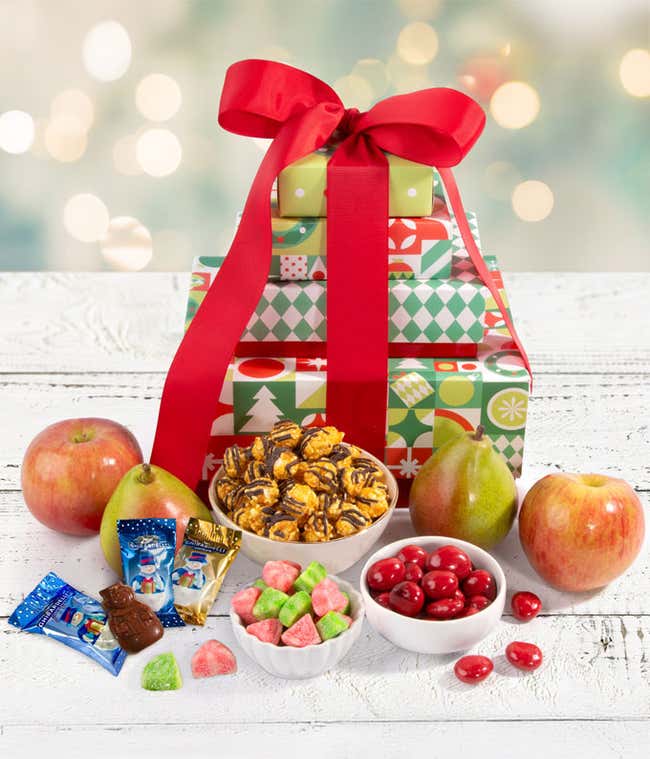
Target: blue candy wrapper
[(148, 547), (59, 611)]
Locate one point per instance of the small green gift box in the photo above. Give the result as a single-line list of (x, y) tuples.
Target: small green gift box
[(302, 187)]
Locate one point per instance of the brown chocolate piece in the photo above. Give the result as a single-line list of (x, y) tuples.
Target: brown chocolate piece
[(134, 624)]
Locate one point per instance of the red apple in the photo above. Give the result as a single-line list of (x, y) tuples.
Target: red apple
[(71, 469), (581, 531)]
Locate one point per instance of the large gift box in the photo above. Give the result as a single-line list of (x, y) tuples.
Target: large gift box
[(302, 186), (429, 400)]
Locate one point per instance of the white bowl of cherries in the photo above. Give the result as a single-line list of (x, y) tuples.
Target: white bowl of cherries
[(433, 595)]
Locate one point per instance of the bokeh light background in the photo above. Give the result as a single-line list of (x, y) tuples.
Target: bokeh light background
[(111, 157)]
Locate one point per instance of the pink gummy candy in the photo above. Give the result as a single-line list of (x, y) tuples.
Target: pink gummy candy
[(268, 630), (243, 602), (213, 658), (326, 596), (280, 575), (302, 633)]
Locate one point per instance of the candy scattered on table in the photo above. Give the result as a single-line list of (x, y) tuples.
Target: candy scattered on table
[(301, 484), (134, 624), (213, 658), (525, 605), (525, 656), (398, 583), (312, 610), (473, 669), (162, 673)]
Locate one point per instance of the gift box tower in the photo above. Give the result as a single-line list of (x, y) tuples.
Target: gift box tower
[(435, 294), (359, 297)]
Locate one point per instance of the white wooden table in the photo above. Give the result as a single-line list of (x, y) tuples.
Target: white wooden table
[(98, 344)]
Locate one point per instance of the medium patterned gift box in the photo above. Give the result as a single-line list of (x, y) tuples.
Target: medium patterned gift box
[(431, 314), (418, 248)]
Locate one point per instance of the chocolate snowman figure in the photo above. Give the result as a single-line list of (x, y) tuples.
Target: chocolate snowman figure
[(133, 623)]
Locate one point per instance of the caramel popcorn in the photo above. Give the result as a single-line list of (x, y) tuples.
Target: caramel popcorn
[(352, 520), (235, 461), (282, 463), (299, 501), (254, 471), (285, 434), (321, 475), (298, 484), (318, 529), (317, 442), (282, 527)]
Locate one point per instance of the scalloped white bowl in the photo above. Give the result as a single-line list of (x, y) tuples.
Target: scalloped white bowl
[(311, 661), (435, 636), (337, 555)]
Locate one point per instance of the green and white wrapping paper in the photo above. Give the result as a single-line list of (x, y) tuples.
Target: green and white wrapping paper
[(422, 312)]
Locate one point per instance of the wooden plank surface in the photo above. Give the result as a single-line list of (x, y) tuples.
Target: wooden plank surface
[(575, 323), (589, 739), (88, 344)]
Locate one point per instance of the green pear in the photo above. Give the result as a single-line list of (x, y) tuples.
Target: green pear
[(148, 491), (465, 491)]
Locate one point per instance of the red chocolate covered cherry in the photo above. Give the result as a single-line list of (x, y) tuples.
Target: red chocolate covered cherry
[(413, 554), (451, 558), (444, 608), (439, 583), (473, 669), (480, 583), (478, 602), (382, 599), (406, 598), (414, 572), (386, 573), (524, 655), (469, 611), (526, 605), (460, 595)]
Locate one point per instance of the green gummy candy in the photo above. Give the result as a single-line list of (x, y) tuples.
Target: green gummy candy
[(331, 625), (259, 583), (162, 673), (347, 606), (269, 603), (310, 578), (297, 606)]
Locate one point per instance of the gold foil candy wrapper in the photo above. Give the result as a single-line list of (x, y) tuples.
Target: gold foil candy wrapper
[(205, 557)]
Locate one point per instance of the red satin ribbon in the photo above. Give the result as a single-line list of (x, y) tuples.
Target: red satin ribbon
[(301, 113), (296, 349)]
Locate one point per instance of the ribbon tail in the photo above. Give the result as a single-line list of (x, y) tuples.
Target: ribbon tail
[(195, 379), (357, 298), (477, 259)]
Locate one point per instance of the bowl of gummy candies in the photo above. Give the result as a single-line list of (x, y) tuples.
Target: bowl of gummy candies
[(297, 623), (303, 494), (433, 595)]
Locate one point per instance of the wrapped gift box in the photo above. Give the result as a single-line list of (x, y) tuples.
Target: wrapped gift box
[(433, 314), (429, 400), (418, 248), (301, 187)]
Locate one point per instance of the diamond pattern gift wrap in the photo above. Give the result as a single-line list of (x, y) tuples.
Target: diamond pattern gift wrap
[(429, 400), (429, 313), (418, 248), (301, 186)]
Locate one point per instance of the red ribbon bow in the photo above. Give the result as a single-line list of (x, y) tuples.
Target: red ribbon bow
[(301, 113)]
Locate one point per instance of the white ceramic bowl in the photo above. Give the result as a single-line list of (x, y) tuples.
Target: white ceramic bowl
[(434, 636), (337, 555), (301, 663)]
